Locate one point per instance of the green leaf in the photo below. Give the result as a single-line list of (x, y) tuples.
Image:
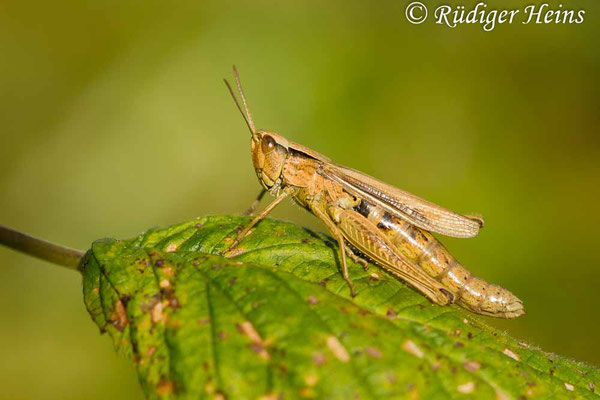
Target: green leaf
[(277, 321)]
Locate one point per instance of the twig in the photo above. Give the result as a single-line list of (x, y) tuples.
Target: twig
[(57, 254)]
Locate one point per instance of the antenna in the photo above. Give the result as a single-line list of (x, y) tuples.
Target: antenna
[(246, 115)]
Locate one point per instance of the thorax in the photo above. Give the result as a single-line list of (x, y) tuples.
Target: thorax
[(301, 173)]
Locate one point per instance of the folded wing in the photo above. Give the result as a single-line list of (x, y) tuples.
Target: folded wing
[(407, 206)]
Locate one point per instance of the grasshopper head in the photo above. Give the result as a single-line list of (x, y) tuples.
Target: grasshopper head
[(269, 151)]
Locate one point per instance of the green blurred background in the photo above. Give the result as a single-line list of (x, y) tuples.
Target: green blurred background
[(114, 118)]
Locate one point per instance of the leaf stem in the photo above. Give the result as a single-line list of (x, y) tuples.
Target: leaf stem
[(54, 253)]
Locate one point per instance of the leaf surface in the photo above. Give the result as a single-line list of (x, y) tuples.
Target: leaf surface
[(276, 320)]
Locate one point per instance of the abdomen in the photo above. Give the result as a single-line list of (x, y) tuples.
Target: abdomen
[(424, 250)]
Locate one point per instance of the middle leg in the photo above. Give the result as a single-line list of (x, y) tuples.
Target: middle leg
[(337, 234)]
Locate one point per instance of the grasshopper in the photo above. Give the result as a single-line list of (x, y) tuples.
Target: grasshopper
[(372, 220)]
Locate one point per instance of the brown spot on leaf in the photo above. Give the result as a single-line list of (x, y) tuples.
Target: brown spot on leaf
[(373, 352), (232, 281), (323, 283), (150, 351), (311, 379), (160, 263), (391, 313), (219, 396), (466, 388), (472, 366), (500, 395), (167, 292), (470, 335), (222, 335), (174, 302), (125, 300), (337, 348), (259, 349), (171, 248), (592, 386), (234, 253), (458, 345), (246, 328), (164, 387), (119, 316), (307, 392), (164, 284), (511, 354), (410, 347), (435, 366), (156, 313), (258, 345), (202, 321), (319, 358), (283, 369), (312, 300)]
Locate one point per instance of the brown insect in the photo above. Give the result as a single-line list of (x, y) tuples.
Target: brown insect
[(372, 219)]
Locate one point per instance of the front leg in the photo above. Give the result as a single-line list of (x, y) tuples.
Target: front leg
[(256, 220)]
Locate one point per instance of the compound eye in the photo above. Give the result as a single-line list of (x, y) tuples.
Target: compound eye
[(268, 143)]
